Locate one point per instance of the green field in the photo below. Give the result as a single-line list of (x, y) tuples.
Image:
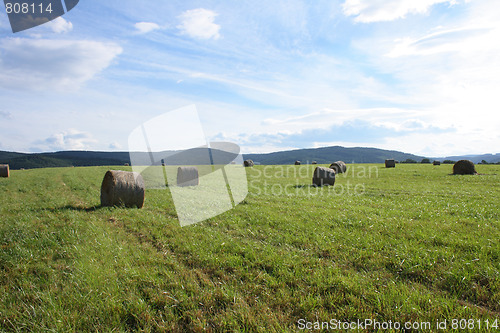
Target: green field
[(411, 244)]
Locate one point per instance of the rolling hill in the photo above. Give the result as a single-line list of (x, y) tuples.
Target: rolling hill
[(331, 154)]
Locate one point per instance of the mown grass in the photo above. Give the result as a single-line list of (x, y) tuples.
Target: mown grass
[(406, 244)]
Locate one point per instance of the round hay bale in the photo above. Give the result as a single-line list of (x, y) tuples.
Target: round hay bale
[(436, 163), (314, 162), (323, 176), (464, 167), (122, 188), (297, 162), (390, 163), (187, 176), (248, 163), (339, 167), (4, 171)]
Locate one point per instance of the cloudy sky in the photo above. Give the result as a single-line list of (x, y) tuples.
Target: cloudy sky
[(420, 76)]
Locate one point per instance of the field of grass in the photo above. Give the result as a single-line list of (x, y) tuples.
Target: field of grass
[(411, 244)]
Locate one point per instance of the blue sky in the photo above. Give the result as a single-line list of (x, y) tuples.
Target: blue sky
[(419, 76)]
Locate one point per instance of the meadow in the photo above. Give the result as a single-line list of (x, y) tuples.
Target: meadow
[(412, 244)]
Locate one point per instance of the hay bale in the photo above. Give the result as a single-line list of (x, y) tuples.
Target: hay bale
[(339, 167), (436, 163), (314, 162), (297, 162), (390, 163), (464, 167), (248, 163), (4, 171), (122, 188), (323, 176), (187, 176)]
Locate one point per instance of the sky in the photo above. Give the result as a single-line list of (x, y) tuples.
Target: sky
[(419, 76)]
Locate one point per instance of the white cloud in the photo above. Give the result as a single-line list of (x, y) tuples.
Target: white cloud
[(40, 64), (199, 23), (145, 27), (60, 25), (71, 139), (115, 145), (367, 11)]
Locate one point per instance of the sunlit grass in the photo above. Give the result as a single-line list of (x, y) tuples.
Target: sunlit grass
[(411, 243)]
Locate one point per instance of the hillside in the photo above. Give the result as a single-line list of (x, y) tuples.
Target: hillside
[(332, 154), (196, 156), (62, 159)]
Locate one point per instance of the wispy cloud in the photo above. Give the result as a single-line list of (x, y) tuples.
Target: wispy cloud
[(452, 40), (449, 72), (368, 11), (71, 139), (394, 118), (199, 23)]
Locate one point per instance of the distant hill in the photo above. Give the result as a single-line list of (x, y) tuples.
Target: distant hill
[(62, 159), (323, 155), (490, 158), (195, 156), (331, 154)]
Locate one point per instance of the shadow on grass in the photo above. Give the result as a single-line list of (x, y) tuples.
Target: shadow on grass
[(303, 186), (77, 208), (475, 174), (310, 186)]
